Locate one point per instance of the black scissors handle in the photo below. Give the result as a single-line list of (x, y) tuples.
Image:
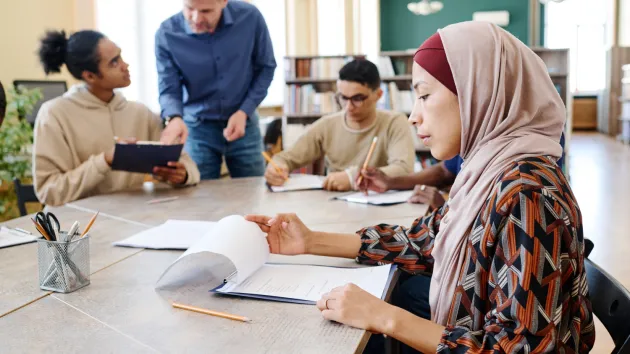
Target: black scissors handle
[(49, 223)]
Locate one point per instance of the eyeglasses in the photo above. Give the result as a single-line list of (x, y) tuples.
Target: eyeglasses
[(356, 100)]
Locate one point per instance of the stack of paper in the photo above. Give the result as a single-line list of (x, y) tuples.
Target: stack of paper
[(173, 234), (299, 182), (387, 198), (9, 237)]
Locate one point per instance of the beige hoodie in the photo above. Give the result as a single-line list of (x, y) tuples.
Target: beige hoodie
[(72, 134)]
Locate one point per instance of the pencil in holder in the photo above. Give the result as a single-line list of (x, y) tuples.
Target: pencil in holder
[(64, 266)]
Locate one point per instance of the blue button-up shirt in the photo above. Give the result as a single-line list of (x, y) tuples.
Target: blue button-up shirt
[(213, 75)]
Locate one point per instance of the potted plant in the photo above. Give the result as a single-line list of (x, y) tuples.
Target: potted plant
[(16, 140)]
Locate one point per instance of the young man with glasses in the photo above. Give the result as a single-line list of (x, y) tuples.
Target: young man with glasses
[(344, 138)]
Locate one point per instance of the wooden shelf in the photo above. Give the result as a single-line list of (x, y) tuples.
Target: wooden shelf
[(398, 53), (396, 78), (325, 56), (309, 80), (306, 115)]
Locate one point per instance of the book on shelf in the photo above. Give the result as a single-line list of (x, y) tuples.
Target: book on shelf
[(396, 99), (304, 99), (394, 66), (315, 68)]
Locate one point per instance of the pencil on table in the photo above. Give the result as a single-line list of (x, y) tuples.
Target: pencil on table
[(367, 159), (269, 160), (211, 313)]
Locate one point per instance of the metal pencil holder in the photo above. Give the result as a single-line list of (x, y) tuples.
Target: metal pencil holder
[(63, 266)]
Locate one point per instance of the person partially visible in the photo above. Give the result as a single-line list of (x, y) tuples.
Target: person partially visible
[(3, 104), (344, 138), (426, 184), (75, 134), (215, 63)]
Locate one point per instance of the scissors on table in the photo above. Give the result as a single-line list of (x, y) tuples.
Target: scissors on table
[(50, 224)]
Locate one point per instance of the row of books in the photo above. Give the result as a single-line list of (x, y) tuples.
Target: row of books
[(393, 66), (304, 99), (314, 68), (396, 99)]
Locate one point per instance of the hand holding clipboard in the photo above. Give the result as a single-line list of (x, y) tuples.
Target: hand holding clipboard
[(151, 157)]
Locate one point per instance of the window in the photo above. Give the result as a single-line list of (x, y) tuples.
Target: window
[(274, 13), (331, 27), (582, 27)]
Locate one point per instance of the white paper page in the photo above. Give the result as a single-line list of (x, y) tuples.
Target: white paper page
[(390, 197), (9, 237), (305, 282), (173, 234), (300, 182), (239, 240)]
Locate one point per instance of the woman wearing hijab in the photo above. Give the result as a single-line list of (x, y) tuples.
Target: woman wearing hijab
[(505, 253)]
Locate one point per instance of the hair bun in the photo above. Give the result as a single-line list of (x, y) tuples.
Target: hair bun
[(52, 52)]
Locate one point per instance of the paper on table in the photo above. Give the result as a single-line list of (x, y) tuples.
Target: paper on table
[(10, 237), (300, 182), (173, 234), (387, 198), (304, 282), (232, 240)]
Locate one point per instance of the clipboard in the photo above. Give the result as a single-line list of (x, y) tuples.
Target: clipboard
[(143, 156)]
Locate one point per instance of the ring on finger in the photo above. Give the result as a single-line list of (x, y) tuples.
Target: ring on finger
[(423, 187), (326, 304)]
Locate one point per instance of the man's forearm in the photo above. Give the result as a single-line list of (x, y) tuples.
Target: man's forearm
[(436, 175)]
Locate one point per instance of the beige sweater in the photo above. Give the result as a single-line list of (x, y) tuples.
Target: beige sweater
[(345, 149), (72, 134)]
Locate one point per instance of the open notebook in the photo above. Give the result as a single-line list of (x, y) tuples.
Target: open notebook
[(234, 256), (387, 198), (300, 182)]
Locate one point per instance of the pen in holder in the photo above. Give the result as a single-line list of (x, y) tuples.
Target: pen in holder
[(64, 266)]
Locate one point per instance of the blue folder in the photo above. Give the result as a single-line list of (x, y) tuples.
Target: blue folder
[(142, 158), (390, 279)]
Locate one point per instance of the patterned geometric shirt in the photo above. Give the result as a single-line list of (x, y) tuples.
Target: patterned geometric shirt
[(523, 285)]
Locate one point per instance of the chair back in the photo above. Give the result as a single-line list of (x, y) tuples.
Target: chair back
[(25, 194), (611, 305)]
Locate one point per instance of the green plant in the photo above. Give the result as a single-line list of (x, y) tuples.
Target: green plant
[(16, 139)]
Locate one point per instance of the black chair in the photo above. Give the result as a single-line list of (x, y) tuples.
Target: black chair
[(588, 247), (25, 194), (611, 305)]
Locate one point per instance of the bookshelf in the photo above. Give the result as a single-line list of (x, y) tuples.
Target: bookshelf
[(624, 99), (395, 69), (557, 62)]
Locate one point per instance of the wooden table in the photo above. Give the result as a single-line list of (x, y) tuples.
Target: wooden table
[(122, 311)]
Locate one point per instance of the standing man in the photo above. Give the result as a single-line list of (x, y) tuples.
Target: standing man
[(215, 63)]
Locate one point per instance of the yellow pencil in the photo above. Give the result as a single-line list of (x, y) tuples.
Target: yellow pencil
[(211, 313), (269, 160), (367, 159), (89, 225)]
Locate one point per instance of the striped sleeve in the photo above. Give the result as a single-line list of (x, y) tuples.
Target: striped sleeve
[(536, 285), (409, 248)]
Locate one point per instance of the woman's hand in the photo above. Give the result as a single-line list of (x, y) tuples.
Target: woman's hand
[(427, 195), (175, 173), (373, 179), (355, 307), (286, 233)]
